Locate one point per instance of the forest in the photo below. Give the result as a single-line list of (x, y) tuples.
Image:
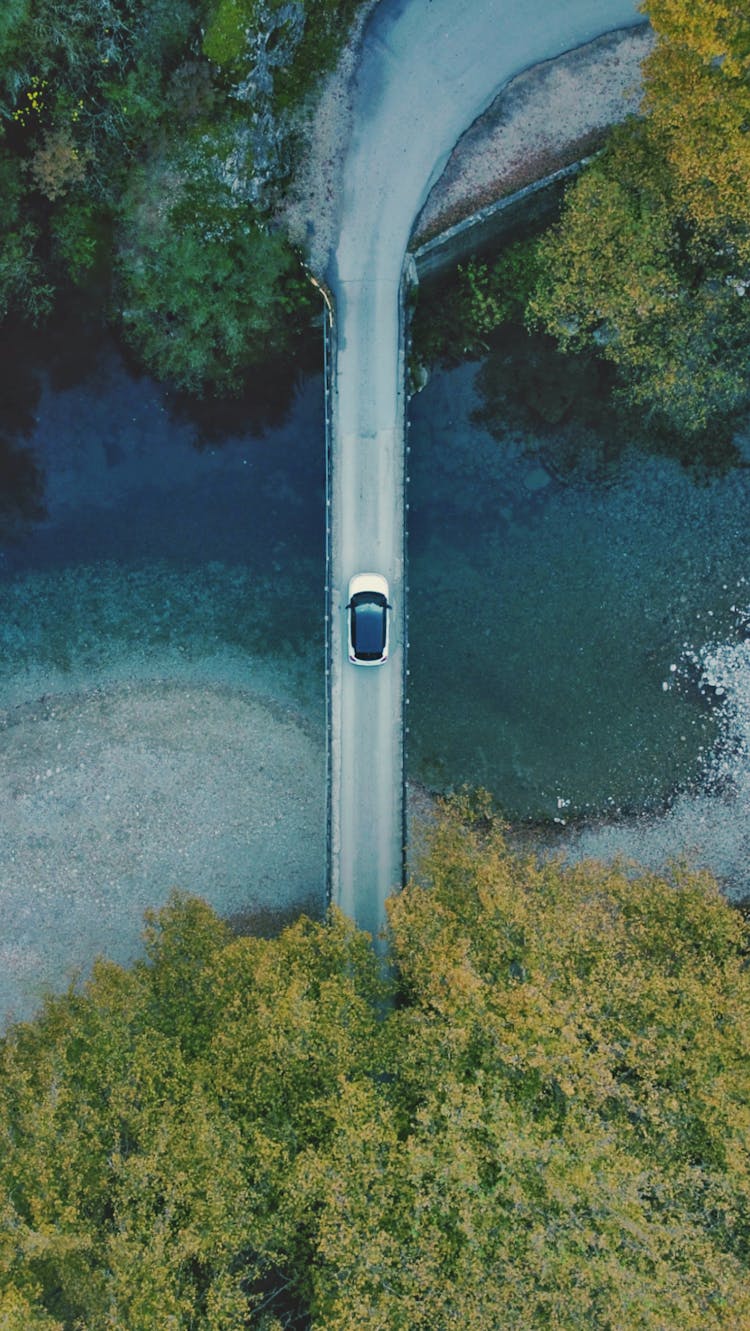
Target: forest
[(144, 145), (537, 1116)]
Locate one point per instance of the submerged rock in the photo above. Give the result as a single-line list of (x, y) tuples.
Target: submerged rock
[(536, 479)]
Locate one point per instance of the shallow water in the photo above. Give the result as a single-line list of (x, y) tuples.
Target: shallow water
[(161, 647), (708, 827), (558, 616), (147, 534), (578, 645)]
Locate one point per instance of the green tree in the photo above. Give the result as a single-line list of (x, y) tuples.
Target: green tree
[(549, 1127), (206, 291), (12, 16), (651, 260), (106, 98)]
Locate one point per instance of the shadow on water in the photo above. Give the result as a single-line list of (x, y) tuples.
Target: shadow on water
[(63, 353), (582, 425), (74, 359), (264, 404), (21, 489), (270, 921), (21, 478)]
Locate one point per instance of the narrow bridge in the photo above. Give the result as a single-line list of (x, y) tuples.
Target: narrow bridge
[(428, 69)]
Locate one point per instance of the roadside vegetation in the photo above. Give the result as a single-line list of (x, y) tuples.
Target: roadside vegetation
[(648, 268), (540, 1121), (144, 146)]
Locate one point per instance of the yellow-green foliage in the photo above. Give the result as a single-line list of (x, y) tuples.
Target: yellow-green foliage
[(549, 1128), (573, 1059), (225, 39), (697, 84), (651, 260)]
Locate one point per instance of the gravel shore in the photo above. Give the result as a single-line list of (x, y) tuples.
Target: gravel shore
[(548, 117), (112, 797)]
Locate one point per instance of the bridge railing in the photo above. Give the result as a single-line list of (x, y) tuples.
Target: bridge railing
[(328, 358), (408, 280)]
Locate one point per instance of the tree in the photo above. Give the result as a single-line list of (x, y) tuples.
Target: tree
[(549, 1127), (650, 262), (23, 289), (58, 164), (572, 1141), (151, 1127), (12, 16), (697, 94), (100, 97), (618, 274), (207, 291)]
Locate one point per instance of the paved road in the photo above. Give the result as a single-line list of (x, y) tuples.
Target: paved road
[(427, 71)]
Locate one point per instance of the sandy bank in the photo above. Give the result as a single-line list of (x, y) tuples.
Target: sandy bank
[(112, 797), (548, 117)]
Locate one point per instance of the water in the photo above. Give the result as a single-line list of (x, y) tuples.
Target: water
[(161, 654), (578, 625), (563, 611), (708, 827), (136, 524)]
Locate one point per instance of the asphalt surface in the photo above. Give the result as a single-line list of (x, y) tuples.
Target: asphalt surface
[(426, 73)]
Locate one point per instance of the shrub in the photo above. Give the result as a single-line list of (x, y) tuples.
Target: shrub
[(206, 291), (459, 316)]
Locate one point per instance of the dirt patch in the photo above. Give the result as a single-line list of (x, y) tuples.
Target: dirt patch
[(548, 117), (311, 211)]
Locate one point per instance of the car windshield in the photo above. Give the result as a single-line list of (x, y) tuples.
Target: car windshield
[(368, 625)]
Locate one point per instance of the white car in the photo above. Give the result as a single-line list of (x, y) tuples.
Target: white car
[(367, 617)]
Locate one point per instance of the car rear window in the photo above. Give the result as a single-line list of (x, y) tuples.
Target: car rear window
[(368, 625)]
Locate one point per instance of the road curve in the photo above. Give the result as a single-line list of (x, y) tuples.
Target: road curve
[(427, 71)]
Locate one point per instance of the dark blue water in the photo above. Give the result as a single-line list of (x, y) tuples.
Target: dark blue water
[(178, 480), (552, 607), (555, 602), (134, 521)]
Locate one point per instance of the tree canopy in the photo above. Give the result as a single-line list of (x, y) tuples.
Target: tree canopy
[(541, 1119), (121, 124), (697, 95), (651, 260)]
